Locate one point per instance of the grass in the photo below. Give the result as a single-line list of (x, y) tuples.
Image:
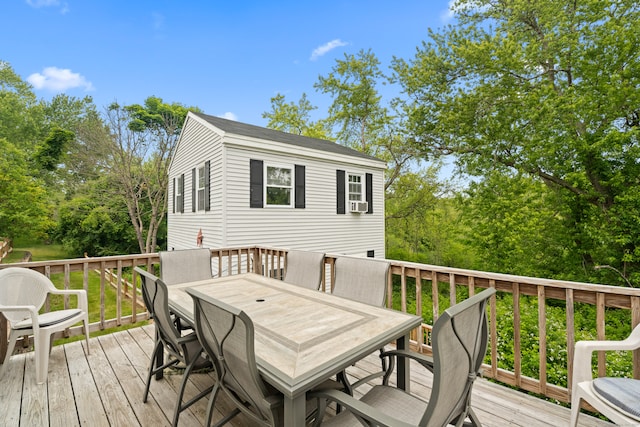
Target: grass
[(46, 252)]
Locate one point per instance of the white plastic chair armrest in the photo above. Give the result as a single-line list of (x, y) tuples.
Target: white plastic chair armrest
[(30, 308), (81, 293), (582, 359)]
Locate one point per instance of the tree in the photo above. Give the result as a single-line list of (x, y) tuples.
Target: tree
[(357, 111), (546, 89), (294, 118), (23, 205), (142, 141)]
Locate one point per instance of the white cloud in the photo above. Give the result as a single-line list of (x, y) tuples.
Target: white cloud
[(64, 7), (43, 3), (468, 6), (325, 48), (448, 14), (229, 116), (58, 80)]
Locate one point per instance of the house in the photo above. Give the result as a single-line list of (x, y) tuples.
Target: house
[(235, 184)]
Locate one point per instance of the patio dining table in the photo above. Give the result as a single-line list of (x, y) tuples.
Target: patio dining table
[(302, 336)]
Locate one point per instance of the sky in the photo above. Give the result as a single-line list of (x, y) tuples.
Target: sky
[(227, 58)]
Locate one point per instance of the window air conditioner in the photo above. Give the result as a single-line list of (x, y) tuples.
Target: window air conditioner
[(359, 206)]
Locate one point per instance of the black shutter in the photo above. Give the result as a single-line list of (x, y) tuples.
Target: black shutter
[(182, 193), (300, 196), (340, 205), (207, 186), (255, 180), (369, 182), (193, 190), (174, 196)]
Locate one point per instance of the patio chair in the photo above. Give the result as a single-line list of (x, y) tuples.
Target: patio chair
[(185, 265), (459, 339), (363, 280), (23, 292), (304, 268), (227, 335), (616, 398), (184, 350)]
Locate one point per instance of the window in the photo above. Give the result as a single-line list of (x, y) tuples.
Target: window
[(201, 188), (358, 189), (355, 188), (179, 192), (278, 187)]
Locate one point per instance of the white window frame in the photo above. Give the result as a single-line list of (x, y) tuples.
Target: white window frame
[(200, 198), (179, 195), (291, 187), (360, 182)]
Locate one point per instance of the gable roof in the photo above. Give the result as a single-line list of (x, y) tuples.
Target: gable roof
[(244, 129)]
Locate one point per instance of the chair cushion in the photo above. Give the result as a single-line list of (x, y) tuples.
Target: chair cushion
[(48, 319), (621, 393)]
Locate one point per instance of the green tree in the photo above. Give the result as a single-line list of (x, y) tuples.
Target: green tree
[(23, 205), (546, 89), (142, 141), (294, 118)]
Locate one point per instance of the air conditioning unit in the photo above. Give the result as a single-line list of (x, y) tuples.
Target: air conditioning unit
[(359, 206)]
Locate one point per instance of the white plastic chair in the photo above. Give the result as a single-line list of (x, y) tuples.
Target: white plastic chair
[(616, 398), (22, 295)]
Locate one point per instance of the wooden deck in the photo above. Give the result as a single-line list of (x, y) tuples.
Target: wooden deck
[(105, 388)]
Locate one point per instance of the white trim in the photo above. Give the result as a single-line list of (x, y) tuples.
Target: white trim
[(265, 185)]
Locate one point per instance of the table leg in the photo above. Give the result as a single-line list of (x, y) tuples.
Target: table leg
[(404, 377), (295, 410)]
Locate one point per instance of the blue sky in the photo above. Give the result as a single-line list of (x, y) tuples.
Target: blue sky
[(228, 58)]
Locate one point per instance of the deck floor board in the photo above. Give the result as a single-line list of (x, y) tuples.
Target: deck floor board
[(105, 388)]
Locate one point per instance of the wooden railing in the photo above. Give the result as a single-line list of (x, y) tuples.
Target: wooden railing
[(411, 288)]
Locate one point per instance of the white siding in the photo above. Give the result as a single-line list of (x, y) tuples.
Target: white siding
[(197, 145), (317, 226)]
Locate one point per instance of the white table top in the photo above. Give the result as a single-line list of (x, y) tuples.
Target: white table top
[(302, 336)]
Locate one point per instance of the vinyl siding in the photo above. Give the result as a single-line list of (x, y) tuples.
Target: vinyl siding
[(197, 145)]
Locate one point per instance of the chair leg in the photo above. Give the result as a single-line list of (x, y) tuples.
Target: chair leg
[(152, 368), (12, 343), (86, 331), (183, 385), (575, 407), (41, 344), (212, 401)]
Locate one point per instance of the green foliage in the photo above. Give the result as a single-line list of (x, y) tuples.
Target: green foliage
[(294, 118), (547, 90), (23, 205), (96, 222), (49, 154)]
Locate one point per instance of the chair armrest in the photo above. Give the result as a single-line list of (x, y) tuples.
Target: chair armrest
[(362, 410), (582, 357), (81, 293), (423, 359), (33, 311)]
